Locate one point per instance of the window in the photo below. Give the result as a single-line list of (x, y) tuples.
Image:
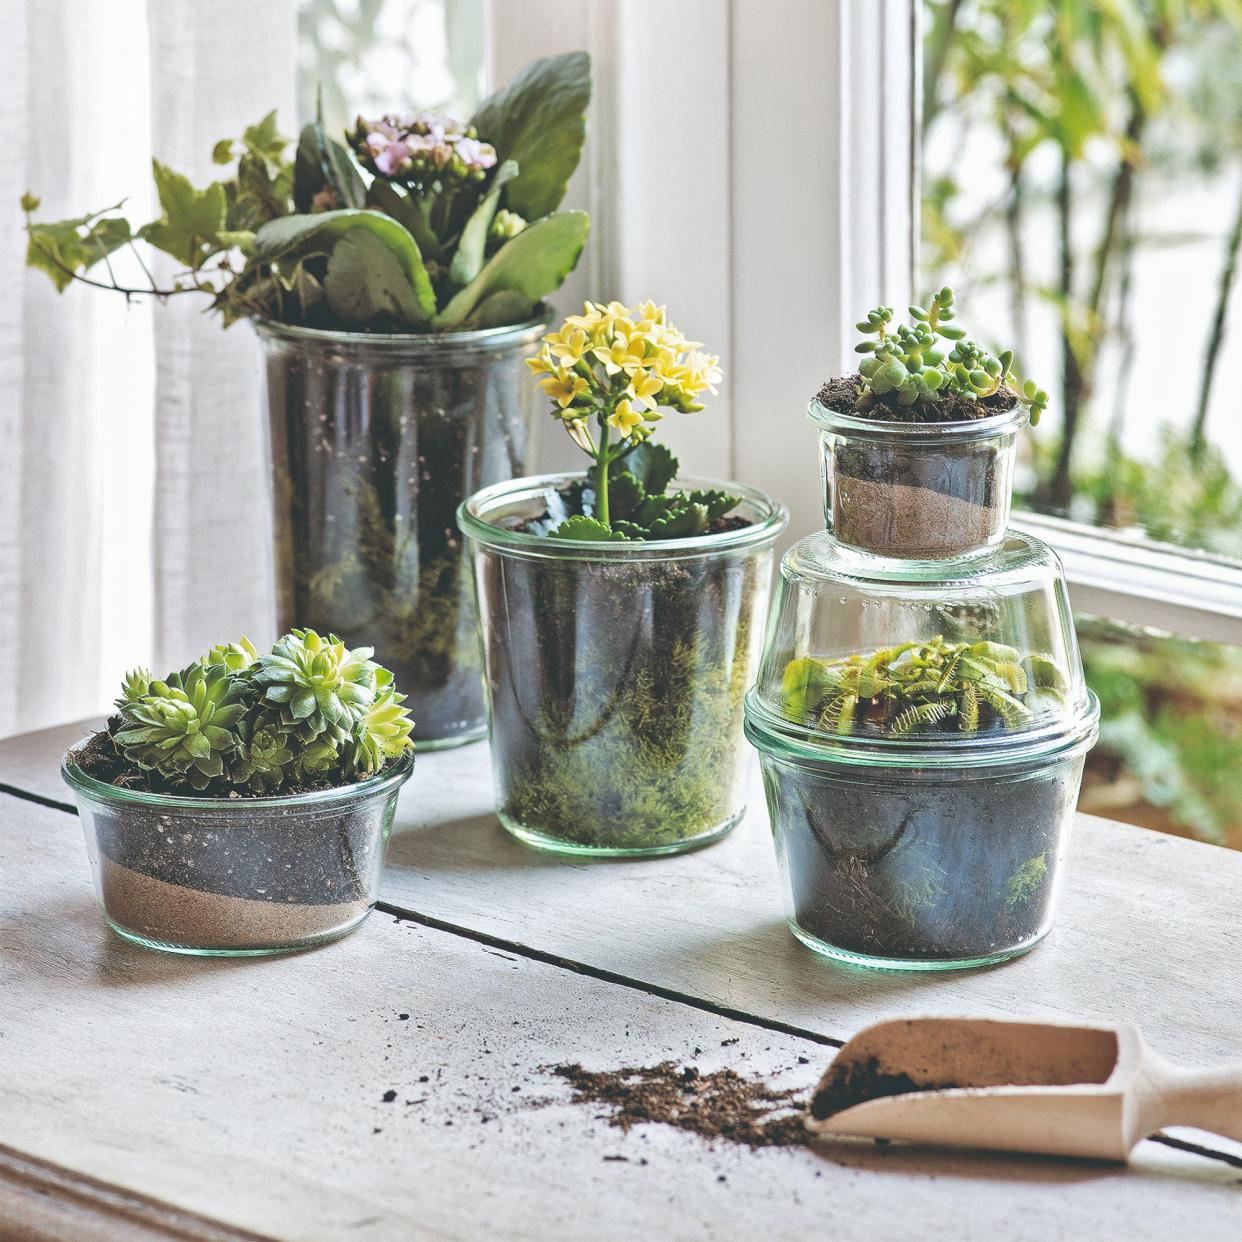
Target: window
[(1082, 189), (808, 132), (377, 56)]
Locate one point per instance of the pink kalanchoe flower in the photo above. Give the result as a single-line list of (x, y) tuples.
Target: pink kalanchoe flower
[(392, 159), (475, 154)]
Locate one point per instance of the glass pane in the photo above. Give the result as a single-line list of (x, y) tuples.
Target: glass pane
[(1082, 177), (1170, 746), (378, 56)]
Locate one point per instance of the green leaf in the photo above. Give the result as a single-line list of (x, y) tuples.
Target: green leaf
[(500, 310), (716, 502), (625, 494), (533, 264), (292, 234), (365, 283), (683, 520), (539, 120), (409, 212), (323, 164), (191, 218), (263, 139), (652, 509), (63, 247), (652, 464), (468, 259), (587, 530)]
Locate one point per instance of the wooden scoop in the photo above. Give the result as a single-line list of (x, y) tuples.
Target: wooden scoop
[(1055, 1088)]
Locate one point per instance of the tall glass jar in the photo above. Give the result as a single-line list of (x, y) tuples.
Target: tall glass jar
[(374, 441), (616, 673), (921, 492)]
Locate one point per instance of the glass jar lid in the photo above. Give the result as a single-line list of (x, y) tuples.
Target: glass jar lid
[(868, 657)]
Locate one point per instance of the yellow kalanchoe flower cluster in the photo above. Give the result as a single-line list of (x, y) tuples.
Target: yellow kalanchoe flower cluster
[(623, 365)]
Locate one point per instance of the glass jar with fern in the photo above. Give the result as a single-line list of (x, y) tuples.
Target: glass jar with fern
[(922, 739)]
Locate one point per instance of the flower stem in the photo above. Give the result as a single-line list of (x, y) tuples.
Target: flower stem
[(601, 477)]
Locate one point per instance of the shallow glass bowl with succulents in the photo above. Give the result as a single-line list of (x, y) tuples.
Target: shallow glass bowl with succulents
[(242, 805)]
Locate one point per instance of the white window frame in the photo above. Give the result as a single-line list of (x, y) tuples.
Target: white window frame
[(755, 166)]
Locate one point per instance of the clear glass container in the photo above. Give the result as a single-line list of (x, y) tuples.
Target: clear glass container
[(922, 740), (236, 877), (917, 491), (616, 673), (374, 440)]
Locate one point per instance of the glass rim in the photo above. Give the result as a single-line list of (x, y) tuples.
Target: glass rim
[(773, 518), (1059, 739), (396, 342), (80, 782), (931, 433)]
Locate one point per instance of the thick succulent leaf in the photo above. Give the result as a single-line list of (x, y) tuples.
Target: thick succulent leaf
[(364, 284), (587, 530), (192, 219), (625, 494), (323, 164), (409, 212), (683, 520), (652, 464), (63, 247), (716, 502), (531, 265), (294, 233), (652, 509), (471, 249), (539, 120)]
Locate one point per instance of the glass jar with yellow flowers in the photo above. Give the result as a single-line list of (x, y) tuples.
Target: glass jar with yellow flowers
[(620, 607)]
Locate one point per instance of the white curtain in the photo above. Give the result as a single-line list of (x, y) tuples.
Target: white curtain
[(134, 525)]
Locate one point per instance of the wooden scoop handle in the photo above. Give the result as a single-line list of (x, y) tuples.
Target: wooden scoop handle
[(1209, 1099)]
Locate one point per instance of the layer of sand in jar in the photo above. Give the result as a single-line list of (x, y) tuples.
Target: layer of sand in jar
[(195, 919), (901, 520)]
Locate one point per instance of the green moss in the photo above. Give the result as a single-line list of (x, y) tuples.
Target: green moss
[(660, 766), (1024, 883)]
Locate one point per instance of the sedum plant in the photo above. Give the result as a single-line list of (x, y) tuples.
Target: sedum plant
[(935, 686), (415, 224), (612, 372), (917, 364), (309, 710)]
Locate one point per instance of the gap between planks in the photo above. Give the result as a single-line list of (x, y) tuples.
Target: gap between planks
[(402, 914)]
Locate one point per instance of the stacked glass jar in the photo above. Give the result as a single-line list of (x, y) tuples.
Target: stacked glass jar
[(920, 711)]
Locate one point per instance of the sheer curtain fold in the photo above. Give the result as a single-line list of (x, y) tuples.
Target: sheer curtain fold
[(133, 507), (215, 68)]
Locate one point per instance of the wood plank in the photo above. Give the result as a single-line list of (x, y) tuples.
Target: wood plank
[(252, 1092), (1148, 929), (43, 1201)]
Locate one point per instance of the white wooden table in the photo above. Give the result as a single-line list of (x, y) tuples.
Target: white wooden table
[(149, 1096)]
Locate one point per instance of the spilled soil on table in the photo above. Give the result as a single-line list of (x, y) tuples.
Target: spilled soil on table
[(721, 1105)]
